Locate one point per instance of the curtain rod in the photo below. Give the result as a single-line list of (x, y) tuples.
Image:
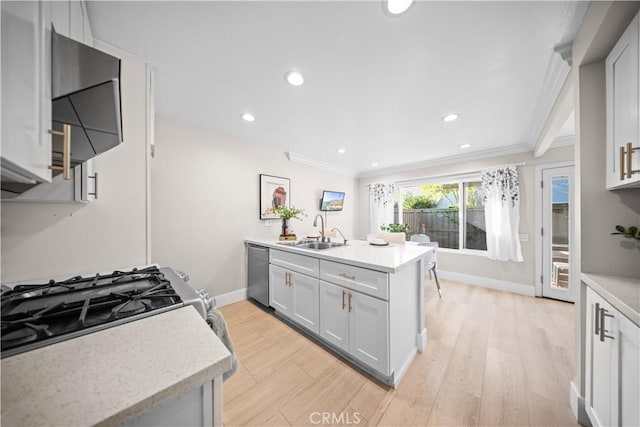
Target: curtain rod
[(400, 181)]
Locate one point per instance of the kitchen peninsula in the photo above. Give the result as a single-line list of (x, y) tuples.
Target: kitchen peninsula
[(365, 302)]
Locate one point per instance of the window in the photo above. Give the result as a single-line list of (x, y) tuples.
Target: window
[(435, 209)]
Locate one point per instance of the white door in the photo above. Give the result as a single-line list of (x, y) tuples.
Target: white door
[(305, 301), (334, 315), (279, 293), (369, 330), (556, 232)]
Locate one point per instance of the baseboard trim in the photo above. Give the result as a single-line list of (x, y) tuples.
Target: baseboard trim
[(485, 282), (397, 376), (421, 340), (231, 297), (577, 404)]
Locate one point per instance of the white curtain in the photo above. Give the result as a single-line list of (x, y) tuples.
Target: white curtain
[(380, 205), (502, 213)]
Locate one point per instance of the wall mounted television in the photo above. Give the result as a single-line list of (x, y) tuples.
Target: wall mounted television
[(332, 201)]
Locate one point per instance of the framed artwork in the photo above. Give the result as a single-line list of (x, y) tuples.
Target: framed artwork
[(274, 192)]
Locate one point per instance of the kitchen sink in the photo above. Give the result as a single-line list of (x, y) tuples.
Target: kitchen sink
[(312, 244), (297, 242)]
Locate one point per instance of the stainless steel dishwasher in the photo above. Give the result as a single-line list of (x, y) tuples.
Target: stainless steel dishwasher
[(258, 274)]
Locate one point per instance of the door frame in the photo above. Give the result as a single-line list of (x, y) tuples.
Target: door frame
[(539, 212)]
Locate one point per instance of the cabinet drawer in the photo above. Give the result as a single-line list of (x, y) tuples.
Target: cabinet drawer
[(300, 263), (370, 282)]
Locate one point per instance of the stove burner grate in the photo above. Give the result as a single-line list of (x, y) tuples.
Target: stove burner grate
[(42, 312)]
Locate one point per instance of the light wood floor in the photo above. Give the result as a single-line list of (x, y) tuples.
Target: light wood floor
[(492, 358)]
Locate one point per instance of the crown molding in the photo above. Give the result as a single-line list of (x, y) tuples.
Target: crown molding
[(308, 161), (565, 50), (557, 73), (496, 152), (563, 141)]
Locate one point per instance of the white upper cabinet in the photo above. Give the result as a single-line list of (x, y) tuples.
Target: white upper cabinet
[(26, 91), (26, 101), (623, 107)]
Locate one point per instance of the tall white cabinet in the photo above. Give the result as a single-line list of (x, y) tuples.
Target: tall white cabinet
[(612, 365), (26, 91), (622, 70)]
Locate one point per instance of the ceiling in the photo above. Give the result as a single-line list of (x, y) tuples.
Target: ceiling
[(375, 85)]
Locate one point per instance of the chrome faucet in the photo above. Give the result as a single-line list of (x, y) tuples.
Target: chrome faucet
[(338, 230), (315, 224)]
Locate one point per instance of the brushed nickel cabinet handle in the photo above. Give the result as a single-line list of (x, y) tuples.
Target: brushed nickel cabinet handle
[(629, 151), (95, 185), (346, 276), (597, 319), (286, 278), (622, 154), (603, 331), (343, 303), (350, 302), (66, 151)]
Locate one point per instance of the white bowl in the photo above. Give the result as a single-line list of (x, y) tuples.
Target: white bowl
[(378, 242)]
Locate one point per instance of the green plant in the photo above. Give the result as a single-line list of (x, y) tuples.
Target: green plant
[(630, 232), (409, 201), (287, 212), (395, 228)]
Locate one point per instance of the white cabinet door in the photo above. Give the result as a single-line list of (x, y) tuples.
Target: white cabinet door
[(629, 369), (612, 365), (26, 91), (599, 359), (334, 315), (623, 101), (305, 301), (369, 330), (279, 293)]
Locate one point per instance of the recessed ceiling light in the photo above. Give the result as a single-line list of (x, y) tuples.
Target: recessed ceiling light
[(341, 151), (396, 7), (450, 117), (248, 117), (374, 164), (465, 146), (294, 78)]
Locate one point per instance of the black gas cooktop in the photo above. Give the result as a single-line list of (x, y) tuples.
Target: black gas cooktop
[(35, 315)]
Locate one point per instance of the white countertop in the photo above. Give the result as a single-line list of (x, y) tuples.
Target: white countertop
[(360, 253), (109, 376), (621, 292)]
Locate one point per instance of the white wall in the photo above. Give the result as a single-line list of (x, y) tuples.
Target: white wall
[(601, 210), (41, 240), (521, 273), (204, 202)]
